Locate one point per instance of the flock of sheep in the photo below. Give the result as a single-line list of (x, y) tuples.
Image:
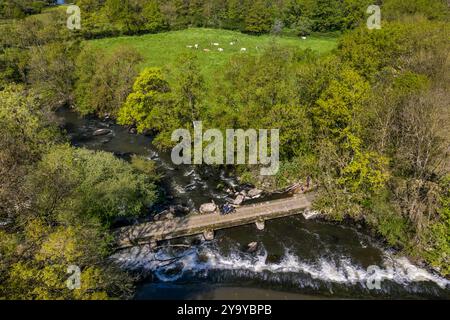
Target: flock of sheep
[(214, 44)]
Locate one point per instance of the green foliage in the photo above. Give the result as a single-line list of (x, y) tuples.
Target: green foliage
[(95, 184), (151, 13), (16, 9), (163, 50), (148, 105), (26, 133), (24, 125), (431, 9), (13, 63), (50, 71), (417, 45), (190, 88), (391, 225), (104, 80), (302, 26), (259, 18), (340, 105)]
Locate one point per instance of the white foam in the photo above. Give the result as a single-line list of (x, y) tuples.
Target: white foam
[(339, 270)]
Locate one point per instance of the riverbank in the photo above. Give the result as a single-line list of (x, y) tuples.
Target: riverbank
[(297, 256)]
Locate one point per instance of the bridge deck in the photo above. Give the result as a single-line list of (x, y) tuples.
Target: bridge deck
[(197, 224)]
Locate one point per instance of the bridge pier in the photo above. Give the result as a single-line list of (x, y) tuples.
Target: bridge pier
[(260, 224), (208, 235)]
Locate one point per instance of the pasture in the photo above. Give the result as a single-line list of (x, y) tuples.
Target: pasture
[(214, 46)]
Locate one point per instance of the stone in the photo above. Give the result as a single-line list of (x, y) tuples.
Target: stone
[(239, 199), (208, 208), (252, 247), (254, 193), (309, 215), (101, 132), (260, 225), (208, 235)]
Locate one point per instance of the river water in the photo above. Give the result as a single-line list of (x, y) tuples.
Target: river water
[(295, 259)]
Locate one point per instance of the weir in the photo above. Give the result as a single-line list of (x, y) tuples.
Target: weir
[(206, 224)]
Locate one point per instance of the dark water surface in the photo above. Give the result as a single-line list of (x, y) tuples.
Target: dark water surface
[(296, 258)]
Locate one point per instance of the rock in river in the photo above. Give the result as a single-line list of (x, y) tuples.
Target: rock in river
[(239, 199), (252, 247), (254, 193), (308, 215), (208, 207), (101, 132)]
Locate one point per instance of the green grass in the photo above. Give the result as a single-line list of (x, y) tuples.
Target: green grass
[(162, 50)]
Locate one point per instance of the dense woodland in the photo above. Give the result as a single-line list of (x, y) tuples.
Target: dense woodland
[(369, 122)]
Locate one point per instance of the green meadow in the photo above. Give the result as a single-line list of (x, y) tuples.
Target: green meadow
[(162, 50)]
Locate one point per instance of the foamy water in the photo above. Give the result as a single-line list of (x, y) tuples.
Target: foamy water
[(341, 270)]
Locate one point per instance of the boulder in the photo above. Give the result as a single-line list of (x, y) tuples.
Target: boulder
[(208, 235), (254, 193), (252, 247), (208, 208), (308, 215), (239, 199), (101, 132)]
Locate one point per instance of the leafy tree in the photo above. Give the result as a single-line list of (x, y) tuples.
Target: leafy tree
[(26, 132), (104, 81), (50, 71), (337, 117), (302, 26), (259, 18), (154, 20), (120, 13), (190, 88), (13, 64), (94, 184), (431, 9), (150, 105)]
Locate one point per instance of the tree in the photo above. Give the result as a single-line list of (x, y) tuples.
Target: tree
[(350, 172), (120, 14), (95, 184), (73, 196), (104, 80), (27, 131), (431, 9), (154, 20), (50, 71), (190, 88), (259, 19), (150, 106)]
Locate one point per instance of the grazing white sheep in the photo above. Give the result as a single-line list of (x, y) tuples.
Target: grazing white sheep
[(190, 47), (304, 38), (215, 44), (220, 49), (206, 50), (196, 46), (231, 43), (243, 49)]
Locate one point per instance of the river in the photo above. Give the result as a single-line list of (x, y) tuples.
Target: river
[(295, 259)]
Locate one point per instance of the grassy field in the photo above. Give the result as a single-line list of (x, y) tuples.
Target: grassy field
[(162, 50)]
